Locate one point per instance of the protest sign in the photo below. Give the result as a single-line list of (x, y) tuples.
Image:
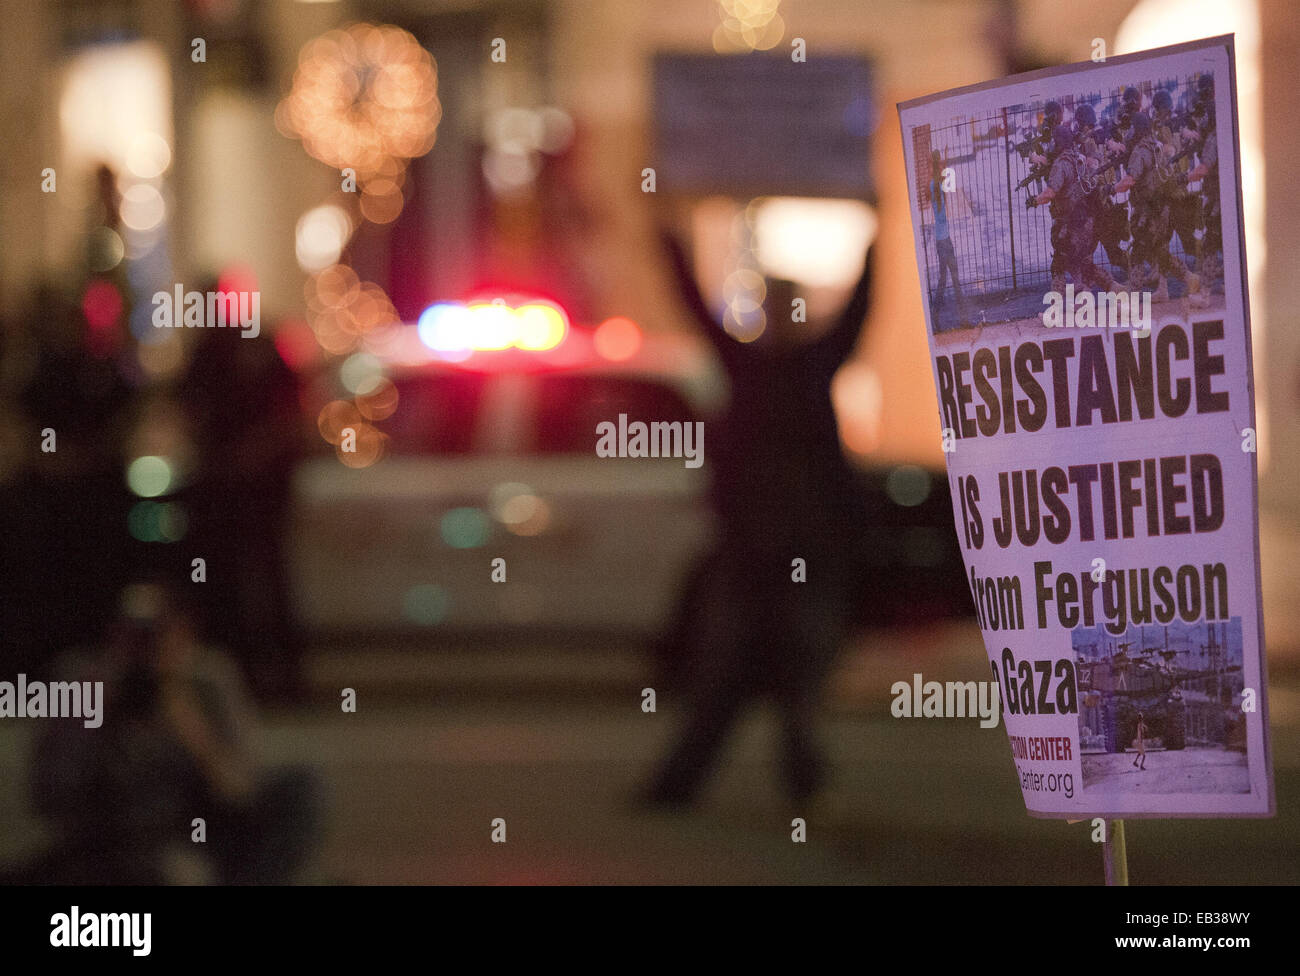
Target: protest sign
[(1079, 241), (762, 123)]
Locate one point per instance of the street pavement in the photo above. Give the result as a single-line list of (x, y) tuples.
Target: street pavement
[(553, 740)]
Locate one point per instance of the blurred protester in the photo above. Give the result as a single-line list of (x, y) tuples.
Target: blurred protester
[(175, 744), (77, 389), (783, 491), (242, 403), (70, 360), (1005, 40)]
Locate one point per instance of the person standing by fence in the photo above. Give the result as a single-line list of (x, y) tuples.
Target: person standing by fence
[(943, 246)]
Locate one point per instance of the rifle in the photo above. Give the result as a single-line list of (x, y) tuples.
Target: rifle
[(1176, 125), (1183, 154), (1096, 186), (1190, 119), (1093, 183), (1034, 144), (1038, 172)]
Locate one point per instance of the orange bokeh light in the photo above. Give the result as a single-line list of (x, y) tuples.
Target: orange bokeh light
[(617, 339)]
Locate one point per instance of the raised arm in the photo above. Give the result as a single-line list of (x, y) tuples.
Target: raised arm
[(726, 347), (834, 346)]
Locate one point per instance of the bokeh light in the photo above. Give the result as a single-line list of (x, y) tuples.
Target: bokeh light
[(237, 277), (381, 200), (539, 325), (150, 521), (367, 445), (336, 286), (101, 304), (445, 328), (744, 287), (557, 130), (380, 402), (617, 339), (492, 325), (148, 155), (296, 344), (819, 243), (748, 25), (361, 96), (142, 207), (335, 417), (465, 528), (105, 249), (908, 485), (744, 320), (519, 508), (149, 476), (361, 373), (321, 236), (525, 514), (502, 493)]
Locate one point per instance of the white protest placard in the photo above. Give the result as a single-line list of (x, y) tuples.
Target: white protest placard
[(1079, 242)]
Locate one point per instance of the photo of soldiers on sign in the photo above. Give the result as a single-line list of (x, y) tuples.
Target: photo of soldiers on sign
[(1168, 694), (1085, 207)]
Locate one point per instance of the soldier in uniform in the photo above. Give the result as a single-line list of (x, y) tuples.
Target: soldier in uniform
[(1130, 105), (1043, 162), (1103, 156), (1148, 177), (1073, 227), (1052, 115), (1184, 206), (1207, 173), (1041, 157)]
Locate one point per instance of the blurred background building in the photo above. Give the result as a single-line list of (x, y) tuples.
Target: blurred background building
[(114, 81)]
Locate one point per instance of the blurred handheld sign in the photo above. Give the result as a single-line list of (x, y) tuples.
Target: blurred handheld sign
[(758, 123)]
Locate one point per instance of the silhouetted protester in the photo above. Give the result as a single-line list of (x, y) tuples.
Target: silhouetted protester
[(73, 543), (783, 491), (1004, 38), (242, 403), (175, 744)]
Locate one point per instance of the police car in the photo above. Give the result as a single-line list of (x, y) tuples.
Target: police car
[(490, 510)]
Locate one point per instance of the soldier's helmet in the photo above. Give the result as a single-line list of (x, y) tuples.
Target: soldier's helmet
[(1204, 104), (1085, 115), (1141, 125), (1162, 101), (1130, 102), (1062, 138)]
